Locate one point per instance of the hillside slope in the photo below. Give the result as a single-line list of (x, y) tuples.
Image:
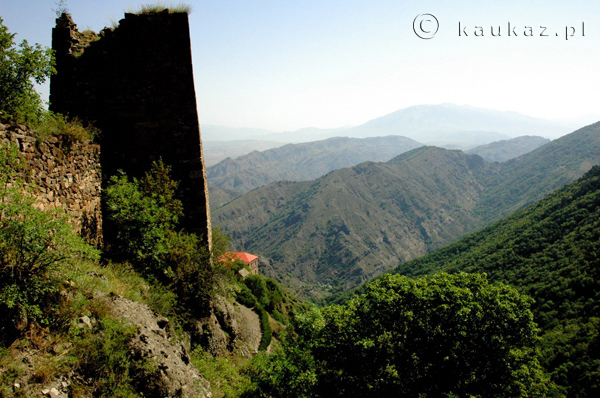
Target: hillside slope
[(551, 251), (528, 178), (302, 162), (351, 224), (501, 151)]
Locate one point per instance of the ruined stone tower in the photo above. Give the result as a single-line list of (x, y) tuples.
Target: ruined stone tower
[(135, 83)]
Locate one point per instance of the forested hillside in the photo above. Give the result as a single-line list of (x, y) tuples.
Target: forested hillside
[(550, 251), (528, 178)]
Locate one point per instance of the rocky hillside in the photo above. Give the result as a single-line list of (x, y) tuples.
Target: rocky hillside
[(351, 224)]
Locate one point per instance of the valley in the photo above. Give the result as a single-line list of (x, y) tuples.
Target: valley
[(341, 229)]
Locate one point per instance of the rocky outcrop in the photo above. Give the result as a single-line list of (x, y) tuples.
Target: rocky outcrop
[(230, 328), (172, 374), (61, 174)]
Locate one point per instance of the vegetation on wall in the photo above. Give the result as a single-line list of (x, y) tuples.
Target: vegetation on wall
[(33, 245), (20, 67), (69, 130), (159, 6)]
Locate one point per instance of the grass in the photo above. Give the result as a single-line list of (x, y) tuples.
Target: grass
[(226, 375), (159, 6), (69, 130), (101, 358)]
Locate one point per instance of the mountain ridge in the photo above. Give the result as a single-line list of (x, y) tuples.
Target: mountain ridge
[(353, 223), (302, 162)]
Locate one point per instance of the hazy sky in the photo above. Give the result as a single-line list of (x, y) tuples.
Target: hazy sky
[(284, 65)]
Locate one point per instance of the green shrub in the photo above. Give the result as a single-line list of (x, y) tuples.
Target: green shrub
[(265, 327), (225, 374), (446, 335), (258, 287), (245, 297), (103, 358), (143, 213), (33, 244), (144, 216)]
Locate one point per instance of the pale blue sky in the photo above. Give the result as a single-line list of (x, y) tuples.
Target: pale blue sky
[(284, 65)]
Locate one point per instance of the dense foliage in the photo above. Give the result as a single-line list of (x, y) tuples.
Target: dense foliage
[(446, 335), (267, 298), (143, 217), (550, 251), (20, 67)]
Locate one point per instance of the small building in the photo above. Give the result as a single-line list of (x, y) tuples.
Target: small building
[(249, 259)]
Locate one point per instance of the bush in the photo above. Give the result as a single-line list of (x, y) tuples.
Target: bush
[(258, 287), (19, 69), (33, 243), (144, 216), (104, 359), (265, 328)]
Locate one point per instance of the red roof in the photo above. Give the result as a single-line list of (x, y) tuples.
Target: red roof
[(247, 258)]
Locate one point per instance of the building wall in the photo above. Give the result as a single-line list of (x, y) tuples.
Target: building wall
[(254, 267), (135, 83), (61, 175)]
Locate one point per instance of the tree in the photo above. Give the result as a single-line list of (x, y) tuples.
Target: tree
[(143, 214), (19, 69), (445, 335)]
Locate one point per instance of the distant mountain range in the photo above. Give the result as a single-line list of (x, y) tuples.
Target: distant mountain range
[(442, 125), (302, 162), (447, 123), (231, 178), (353, 223), (504, 150), (216, 151)]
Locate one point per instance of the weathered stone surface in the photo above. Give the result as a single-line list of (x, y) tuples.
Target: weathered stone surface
[(173, 374), (230, 327), (62, 176)]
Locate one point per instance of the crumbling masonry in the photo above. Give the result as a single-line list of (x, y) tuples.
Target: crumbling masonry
[(135, 83)]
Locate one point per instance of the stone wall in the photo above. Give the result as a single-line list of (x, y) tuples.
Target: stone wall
[(135, 83), (62, 175)]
